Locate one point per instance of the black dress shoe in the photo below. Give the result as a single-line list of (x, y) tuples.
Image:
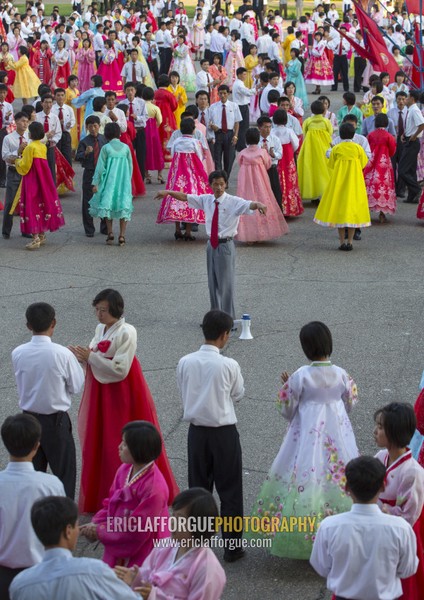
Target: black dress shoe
[(6, 236), (233, 555), (26, 235), (89, 235), (357, 235)]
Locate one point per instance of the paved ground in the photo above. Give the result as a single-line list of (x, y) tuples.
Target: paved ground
[(371, 298)]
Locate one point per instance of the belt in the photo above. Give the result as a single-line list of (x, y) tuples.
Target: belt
[(224, 132), (12, 168), (224, 240), (35, 414)]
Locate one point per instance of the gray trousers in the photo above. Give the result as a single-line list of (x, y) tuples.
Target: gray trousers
[(12, 183), (221, 263)]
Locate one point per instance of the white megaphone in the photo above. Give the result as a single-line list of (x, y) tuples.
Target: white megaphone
[(245, 327)]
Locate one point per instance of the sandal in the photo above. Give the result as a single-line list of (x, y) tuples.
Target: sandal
[(161, 180), (34, 243), (178, 235), (148, 179), (42, 238), (110, 239), (121, 240)]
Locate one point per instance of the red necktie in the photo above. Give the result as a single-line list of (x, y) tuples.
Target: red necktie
[(341, 47), (401, 127), (46, 124), (61, 118), (214, 226), (202, 119), (224, 125), (96, 151), (134, 73), (131, 113), (222, 21), (1, 116), (21, 140), (149, 53)]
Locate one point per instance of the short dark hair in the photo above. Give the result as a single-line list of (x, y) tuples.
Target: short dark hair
[(114, 299), (262, 120), (50, 516), (20, 433), (252, 136), (20, 115), (92, 120), (199, 504), (399, 422), (203, 93), (347, 131), (239, 71), (3, 87), (192, 110), (47, 97), (317, 107), (148, 93), (349, 98), (223, 88), (316, 341), (378, 84), (364, 477), (401, 93), (350, 118), (97, 80), (381, 120), (187, 126), (39, 315), (143, 441), (273, 74), (415, 94), (98, 103), (280, 117), (204, 60), (163, 81), (112, 131), (215, 323), (273, 96), (110, 94), (219, 174), (378, 99)]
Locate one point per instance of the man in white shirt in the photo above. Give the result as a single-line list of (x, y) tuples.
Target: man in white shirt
[(218, 41), (414, 127), (225, 119), (242, 96), (133, 70), (66, 117), (398, 115), (247, 35), (349, 547), (264, 41), (20, 486), (60, 575), (236, 22), (116, 115), (137, 113), (222, 214), (204, 79), (340, 47), (272, 145), (98, 43), (209, 384), (47, 374), (52, 129), (12, 148), (274, 84)]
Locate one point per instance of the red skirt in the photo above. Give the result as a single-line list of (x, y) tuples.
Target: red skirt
[(104, 410), (292, 201), (413, 586)]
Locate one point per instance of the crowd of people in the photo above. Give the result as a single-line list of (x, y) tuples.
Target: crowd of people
[(131, 93)]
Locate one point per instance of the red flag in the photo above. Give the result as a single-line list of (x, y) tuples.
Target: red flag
[(413, 7), (380, 57), (418, 62)]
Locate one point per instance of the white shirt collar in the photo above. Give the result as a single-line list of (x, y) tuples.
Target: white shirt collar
[(41, 339)]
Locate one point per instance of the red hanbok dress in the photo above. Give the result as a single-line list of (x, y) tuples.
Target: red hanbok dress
[(403, 496), (42, 65), (287, 172), (378, 174), (64, 172), (62, 69), (167, 104), (115, 393), (318, 69), (419, 413), (39, 205), (137, 183), (135, 499), (110, 72), (186, 174)]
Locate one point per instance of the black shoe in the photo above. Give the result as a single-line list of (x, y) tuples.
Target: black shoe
[(195, 227), (26, 235), (357, 235), (414, 199), (343, 247), (90, 235), (349, 247), (6, 236), (233, 555)]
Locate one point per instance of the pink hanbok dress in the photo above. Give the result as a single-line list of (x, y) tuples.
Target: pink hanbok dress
[(287, 172), (139, 497), (86, 66), (318, 69), (197, 575), (233, 61), (253, 184), (403, 496), (207, 161), (187, 175), (110, 72), (378, 173)]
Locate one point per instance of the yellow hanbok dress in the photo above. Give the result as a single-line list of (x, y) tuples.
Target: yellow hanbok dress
[(26, 81), (148, 79), (250, 62), (79, 116), (312, 164), (345, 201), (181, 97)]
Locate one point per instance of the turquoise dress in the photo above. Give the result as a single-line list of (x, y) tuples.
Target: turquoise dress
[(294, 73), (112, 177)]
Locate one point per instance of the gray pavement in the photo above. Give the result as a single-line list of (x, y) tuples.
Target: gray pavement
[(370, 298)]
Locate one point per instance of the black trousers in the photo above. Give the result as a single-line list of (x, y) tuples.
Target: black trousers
[(407, 170), (224, 150), (164, 69), (3, 134), (139, 144), (162, 61), (340, 65), (51, 159), (274, 180), (87, 194), (57, 449), (243, 127), (65, 146), (400, 185), (246, 48), (154, 69), (6, 577), (214, 458), (13, 180), (359, 65)]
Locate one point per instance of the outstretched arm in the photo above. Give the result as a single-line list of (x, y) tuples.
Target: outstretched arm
[(177, 195)]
